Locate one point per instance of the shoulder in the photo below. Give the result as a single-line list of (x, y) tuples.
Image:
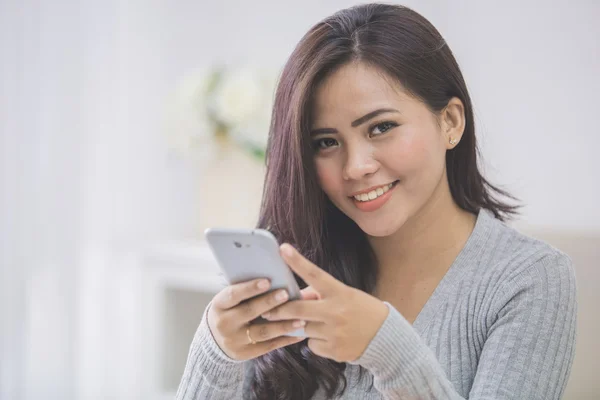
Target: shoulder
[(513, 263), (508, 253)]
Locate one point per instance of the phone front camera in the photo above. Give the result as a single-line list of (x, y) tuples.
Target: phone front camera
[(237, 244)]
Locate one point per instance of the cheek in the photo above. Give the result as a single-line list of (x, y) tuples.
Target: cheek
[(418, 155), (410, 152), (329, 177)]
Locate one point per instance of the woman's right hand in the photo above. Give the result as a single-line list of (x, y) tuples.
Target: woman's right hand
[(230, 314)]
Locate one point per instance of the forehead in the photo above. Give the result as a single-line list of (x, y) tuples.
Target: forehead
[(354, 89)]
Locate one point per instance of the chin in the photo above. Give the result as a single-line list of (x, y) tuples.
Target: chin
[(380, 226), (378, 231)]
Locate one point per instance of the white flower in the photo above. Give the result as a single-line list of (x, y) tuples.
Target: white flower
[(238, 96), (244, 102), (238, 100)]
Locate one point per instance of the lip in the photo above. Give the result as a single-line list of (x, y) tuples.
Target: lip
[(370, 189), (372, 205)]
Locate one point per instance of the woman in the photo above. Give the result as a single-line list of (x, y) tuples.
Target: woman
[(414, 286)]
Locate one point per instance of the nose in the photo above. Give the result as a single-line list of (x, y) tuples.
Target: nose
[(359, 163)]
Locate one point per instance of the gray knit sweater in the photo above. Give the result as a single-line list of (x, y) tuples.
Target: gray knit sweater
[(500, 325)]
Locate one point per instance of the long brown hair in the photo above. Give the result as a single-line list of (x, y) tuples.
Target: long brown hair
[(404, 45)]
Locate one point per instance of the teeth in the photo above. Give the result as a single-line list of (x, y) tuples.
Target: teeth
[(373, 194)]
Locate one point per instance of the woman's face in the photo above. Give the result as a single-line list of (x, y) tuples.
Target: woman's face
[(374, 140)]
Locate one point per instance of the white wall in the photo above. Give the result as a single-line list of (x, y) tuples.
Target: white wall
[(134, 193), (533, 71), (40, 192), (84, 171)]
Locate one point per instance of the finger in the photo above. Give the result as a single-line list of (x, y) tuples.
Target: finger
[(282, 341), (314, 276), (315, 310), (317, 330), (233, 295), (267, 331), (250, 310), (319, 347), (308, 293)]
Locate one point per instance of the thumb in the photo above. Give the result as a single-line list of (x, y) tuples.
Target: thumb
[(308, 293)]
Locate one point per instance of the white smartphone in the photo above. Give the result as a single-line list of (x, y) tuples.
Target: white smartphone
[(247, 254)]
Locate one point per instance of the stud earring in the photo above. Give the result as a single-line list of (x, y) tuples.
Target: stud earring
[(453, 141)]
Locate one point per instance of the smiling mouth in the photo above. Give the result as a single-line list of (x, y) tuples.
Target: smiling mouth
[(375, 193)]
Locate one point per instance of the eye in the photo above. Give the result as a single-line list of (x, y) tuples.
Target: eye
[(324, 143), (382, 128)]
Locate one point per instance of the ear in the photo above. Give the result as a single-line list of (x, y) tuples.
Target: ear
[(452, 120)]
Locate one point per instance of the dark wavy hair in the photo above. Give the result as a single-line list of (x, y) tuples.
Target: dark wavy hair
[(407, 47)]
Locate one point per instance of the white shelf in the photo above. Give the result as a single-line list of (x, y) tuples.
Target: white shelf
[(188, 265), (179, 280)]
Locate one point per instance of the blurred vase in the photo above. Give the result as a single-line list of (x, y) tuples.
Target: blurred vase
[(231, 187)]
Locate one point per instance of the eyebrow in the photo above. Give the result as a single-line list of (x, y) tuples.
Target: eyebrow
[(357, 122)]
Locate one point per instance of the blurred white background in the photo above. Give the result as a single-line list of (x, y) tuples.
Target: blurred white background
[(87, 180)]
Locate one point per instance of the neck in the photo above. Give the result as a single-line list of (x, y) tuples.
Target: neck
[(428, 242)]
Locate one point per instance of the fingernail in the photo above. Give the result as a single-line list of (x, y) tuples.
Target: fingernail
[(287, 250), (263, 284), (266, 315), (281, 296), (298, 324)]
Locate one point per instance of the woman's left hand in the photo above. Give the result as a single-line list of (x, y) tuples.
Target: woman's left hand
[(340, 320)]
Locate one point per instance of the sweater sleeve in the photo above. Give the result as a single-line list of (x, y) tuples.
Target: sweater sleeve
[(527, 354), (209, 373)]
